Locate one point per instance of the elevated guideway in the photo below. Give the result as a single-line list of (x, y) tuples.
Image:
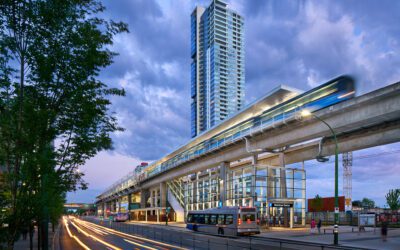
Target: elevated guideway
[(362, 122), (366, 121)]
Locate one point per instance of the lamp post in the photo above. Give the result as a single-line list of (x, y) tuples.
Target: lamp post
[(306, 113)]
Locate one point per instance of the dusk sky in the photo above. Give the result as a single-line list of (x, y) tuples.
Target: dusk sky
[(297, 43)]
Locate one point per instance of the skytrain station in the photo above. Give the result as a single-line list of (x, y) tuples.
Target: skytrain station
[(187, 180)]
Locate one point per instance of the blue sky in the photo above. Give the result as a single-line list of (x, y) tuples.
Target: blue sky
[(296, 43)]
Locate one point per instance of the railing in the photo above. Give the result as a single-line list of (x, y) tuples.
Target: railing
[(176, 188), (180, 237)]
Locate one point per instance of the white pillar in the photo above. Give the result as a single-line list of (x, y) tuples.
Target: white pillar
[(291, 216), (222, 182), (254, 162)]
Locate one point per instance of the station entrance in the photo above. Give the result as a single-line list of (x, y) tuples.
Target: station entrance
[(281, 213)]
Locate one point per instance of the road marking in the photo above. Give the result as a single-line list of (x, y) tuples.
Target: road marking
[(136, 237), (137, 244), (73, 236), (95, 238)]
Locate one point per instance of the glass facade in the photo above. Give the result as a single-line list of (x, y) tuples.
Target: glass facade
[(217, 51), (271, 189)]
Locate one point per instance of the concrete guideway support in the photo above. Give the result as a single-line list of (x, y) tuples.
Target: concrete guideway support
[(222, 182)]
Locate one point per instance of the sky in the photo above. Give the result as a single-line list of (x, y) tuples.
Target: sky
[(297, 43)]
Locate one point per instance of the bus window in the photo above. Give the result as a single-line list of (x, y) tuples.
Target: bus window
[(221, 219), (195, 218), (207, 219), (213, 219), (228, 219), (200, 220), (248, 217), (190, 218)]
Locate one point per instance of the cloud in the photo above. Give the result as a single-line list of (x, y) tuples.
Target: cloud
[(297, 43)]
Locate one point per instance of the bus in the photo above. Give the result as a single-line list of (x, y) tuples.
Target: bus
[(227, 221)]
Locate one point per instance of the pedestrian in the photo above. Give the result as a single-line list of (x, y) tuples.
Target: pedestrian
[(24, 233), (312, 226), (384, 229), (319, 226)]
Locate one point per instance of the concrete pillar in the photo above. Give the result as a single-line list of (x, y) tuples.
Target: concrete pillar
[(243, 189), (196, 191), (283, 186), (142, 198), (163, 194), (223, 167), (129, 202), (291, 217), (254, 162)]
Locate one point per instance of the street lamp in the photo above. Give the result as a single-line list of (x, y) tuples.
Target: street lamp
[(306, 113)]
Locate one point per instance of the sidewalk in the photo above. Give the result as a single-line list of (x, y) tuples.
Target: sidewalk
[(24, 244), (348, 236)]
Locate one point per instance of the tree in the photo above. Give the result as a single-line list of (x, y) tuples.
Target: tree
[(393, 199), (357, 203), (54, 111), (317, 203), (368, 203)]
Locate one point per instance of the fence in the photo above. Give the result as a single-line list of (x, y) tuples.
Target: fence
[(190, 240), (328, 218)]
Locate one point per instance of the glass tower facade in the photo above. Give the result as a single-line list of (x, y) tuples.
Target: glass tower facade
[(217, 68)]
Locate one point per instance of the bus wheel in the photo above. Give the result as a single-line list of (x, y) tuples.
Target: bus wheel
[(221, 231), (194, 227)]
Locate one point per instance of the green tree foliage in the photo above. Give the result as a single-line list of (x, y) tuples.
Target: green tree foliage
[(393, 199), (54, 111), (367, 203), (357, 203)]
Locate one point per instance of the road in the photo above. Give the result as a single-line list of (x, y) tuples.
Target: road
[(79, 234), (92, 233)]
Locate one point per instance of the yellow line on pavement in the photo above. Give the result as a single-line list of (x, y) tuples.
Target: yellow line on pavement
[(137, 244)]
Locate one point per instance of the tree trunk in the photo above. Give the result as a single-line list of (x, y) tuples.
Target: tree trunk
[(39, 231), (31, 228)]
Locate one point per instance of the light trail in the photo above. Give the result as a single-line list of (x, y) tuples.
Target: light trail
[(73, 236), (137, 244), (101, 232), (95, 238), (135, 237)]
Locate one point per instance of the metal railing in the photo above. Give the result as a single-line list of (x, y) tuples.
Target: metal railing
[(176, 188), (192, 240)]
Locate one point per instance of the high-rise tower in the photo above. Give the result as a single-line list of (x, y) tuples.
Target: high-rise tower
[(217, 69)]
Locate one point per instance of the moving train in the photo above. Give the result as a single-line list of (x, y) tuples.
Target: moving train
[(325, 95), (330, 93)]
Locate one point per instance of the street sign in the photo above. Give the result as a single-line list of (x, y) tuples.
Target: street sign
[(168, 209), (336, 210), (281, 205)]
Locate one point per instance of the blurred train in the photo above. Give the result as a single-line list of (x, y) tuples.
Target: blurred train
[(330, 93)]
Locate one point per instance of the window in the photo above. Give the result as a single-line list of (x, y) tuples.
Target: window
[(207, 219), (213, 219), (200, 219), (248, 217), (190, 218), (228, 219), (221, 219)]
